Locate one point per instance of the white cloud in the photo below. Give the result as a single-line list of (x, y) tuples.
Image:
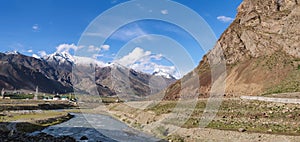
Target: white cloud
[(141, 60), (93, 48), (66, 47), (88, 61), (133, 56), (95, 56), (30, 51), (164, 12), (225, 19), (35, 27), (105, 47), (42, 53)]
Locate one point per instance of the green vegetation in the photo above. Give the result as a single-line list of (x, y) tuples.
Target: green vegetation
[(175, 138), (253, 116), (33, 121), (137, 125), (12, 95), (161, 130), (108, 100), (163, 108), (21, 96), (298, 67), (287, 87)]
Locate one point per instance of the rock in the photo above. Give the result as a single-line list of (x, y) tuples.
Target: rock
[(270, 130), (11, 133), (84, 138), (290, 116), (242, 130), (23, 137)]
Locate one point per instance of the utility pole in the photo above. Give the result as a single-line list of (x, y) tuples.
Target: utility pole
[(2, 93), (36, 93)]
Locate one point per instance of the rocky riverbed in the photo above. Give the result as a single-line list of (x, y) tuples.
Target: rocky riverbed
[(11, 136)]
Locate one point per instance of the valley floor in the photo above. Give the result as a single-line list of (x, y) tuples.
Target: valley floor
[(236, 120)]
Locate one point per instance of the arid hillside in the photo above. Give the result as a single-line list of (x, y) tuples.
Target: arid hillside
[(261, 50)]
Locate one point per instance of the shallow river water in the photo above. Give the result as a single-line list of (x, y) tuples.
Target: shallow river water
[(98, 128)]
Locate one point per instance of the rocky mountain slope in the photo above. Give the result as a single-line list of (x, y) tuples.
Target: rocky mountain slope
[(21, 72), (54, 74), (261, 49)]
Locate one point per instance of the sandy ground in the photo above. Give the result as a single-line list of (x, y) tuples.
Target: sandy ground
[(148, 122), (213, 135)]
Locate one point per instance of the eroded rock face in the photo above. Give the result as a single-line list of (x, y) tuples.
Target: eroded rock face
[(261, 49), (262, 28)]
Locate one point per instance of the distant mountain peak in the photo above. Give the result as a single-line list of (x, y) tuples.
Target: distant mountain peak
[(60, 57), (14, 52), (160, 72)]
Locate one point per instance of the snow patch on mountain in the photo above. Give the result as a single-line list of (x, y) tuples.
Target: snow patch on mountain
[(163, 73), (12, 53)]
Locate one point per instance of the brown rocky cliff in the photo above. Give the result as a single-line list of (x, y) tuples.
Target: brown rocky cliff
[(261, 49)]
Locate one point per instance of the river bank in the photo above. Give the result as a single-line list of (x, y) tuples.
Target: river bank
[(236, 120), (97, 127), (19, 124), (20, 117)]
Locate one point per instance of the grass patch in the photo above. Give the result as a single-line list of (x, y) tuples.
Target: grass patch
[(175, 138), (288, 87), (35, 121), (254, 116), (163, 108)]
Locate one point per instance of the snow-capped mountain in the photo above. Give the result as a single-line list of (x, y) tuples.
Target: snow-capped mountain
[(159, 72), (54, 74), (60, 58), (65, 58), (12, 53)]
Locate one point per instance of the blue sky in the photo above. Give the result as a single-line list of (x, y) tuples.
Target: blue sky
[(46, 26)]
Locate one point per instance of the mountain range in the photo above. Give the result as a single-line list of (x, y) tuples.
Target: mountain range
[(261, 51), (54, 73)]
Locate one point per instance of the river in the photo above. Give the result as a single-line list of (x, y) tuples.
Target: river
[(97, 128)]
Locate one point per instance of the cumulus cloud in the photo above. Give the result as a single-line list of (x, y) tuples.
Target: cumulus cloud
[(42, 53), (105, 47), (93, 48), (164, 12), (141, 60), (88, 61), (133, 56), (30, 51), (151, 67), (225, 19), (66, 48), (35, 27)]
